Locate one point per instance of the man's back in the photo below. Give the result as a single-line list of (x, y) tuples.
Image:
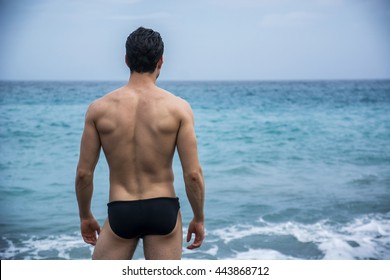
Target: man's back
[(139, 126), (138, 129)]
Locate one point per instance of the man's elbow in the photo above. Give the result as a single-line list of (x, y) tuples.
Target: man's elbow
[(83, 178), (194, 177)]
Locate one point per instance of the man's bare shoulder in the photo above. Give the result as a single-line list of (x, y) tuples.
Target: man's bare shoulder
[(179, 103), (104, 103)]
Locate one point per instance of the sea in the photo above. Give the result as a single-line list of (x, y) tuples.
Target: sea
[(293, 169)]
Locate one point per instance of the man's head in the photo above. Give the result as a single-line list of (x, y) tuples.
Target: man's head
[(144, 50)]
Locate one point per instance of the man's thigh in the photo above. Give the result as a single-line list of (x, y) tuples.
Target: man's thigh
[(165, 247), (109, 246)]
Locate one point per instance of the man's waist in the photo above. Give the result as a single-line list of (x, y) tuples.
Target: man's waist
[(137, 192)]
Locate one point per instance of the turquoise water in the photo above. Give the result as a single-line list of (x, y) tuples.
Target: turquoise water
[(293, 170)]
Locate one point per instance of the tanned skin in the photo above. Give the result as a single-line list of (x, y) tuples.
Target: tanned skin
[(139, 126)]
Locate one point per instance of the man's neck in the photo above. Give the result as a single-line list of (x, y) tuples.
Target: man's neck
[(142, 79)]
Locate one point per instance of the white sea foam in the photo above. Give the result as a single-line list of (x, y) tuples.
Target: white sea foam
[(212, 251), (367, 237), (255, 254), (35, 247)]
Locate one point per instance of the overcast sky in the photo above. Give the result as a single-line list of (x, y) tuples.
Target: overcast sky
[(204, 39)]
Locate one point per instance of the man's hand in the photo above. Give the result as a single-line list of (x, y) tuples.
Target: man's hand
[(90, 229), (197, 228)]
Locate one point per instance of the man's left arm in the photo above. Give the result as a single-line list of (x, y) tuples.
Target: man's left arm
[(89, 156)]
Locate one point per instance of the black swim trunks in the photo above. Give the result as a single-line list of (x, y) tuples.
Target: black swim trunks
[(137, 218)]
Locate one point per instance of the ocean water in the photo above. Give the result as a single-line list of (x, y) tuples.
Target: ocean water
[(293, 170)]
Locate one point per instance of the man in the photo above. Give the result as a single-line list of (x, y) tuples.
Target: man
[(139, 126)]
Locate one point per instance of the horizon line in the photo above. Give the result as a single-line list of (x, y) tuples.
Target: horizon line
[(203, 80)]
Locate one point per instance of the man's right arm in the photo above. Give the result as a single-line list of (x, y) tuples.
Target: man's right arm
[(193, 175), (89, 155)]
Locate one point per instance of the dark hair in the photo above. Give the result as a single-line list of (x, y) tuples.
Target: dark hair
[(144, 48)]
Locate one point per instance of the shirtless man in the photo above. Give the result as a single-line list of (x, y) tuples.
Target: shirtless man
[(139, 126)]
